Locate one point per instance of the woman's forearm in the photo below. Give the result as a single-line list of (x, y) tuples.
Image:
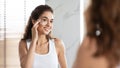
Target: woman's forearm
[(30, 55)]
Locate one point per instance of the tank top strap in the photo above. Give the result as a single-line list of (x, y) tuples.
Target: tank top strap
[(28, 44), (52, 45)]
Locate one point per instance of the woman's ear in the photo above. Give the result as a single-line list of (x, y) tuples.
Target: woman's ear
[(33, 21)]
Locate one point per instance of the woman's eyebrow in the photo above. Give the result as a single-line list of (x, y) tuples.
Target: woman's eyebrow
[(46, 17)]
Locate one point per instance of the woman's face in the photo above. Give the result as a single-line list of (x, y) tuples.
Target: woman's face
[(46, 23)]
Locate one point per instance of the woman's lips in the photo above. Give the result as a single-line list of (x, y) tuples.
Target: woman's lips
[(47, 29)]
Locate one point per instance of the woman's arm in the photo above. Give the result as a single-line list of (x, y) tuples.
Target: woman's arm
[(61, 53), (27, 57)]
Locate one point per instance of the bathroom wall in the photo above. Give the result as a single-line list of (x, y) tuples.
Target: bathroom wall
[(67, 25)]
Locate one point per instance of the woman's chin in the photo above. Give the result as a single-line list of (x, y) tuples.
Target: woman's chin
[(46, 32)]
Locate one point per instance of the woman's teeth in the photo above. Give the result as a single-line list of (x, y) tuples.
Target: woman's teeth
[(47, 29)]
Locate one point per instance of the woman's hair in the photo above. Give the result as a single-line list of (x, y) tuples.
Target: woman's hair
[(36, 13), (103, 24)]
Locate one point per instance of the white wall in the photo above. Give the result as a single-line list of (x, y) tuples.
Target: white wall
[(83, 7), (67, 25)]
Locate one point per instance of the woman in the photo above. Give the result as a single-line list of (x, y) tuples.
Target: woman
[(37, 49), (101, 45)]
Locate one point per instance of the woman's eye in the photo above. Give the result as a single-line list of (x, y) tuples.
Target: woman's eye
[(51, 21), (44, 20)]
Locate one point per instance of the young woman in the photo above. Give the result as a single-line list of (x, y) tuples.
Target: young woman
[(38, 49), (101, 45)]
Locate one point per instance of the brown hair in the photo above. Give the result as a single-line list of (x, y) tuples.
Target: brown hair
[(103, 16), (36, 13)]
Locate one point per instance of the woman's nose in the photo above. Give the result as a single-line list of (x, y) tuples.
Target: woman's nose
[(49, 23)]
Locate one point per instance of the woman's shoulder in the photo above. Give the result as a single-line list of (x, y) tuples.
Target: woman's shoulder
[(59, 44), (58, 41), (85, 53), (22, 44)]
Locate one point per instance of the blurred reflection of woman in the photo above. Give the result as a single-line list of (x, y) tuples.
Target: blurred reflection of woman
[(101, 45), (38, 49)]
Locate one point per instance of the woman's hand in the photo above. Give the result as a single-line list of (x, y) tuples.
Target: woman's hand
[(35, 31)]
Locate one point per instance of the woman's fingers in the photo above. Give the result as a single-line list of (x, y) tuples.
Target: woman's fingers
[(36, 23), (35, 31)]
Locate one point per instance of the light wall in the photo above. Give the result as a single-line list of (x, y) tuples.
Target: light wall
[(67, 25)]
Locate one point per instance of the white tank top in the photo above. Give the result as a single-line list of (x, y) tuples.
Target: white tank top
[(49, 60)]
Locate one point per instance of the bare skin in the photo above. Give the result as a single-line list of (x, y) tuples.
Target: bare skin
[(39, 43), (85, 57)]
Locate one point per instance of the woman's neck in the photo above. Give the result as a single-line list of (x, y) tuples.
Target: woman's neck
[(42, 39)]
